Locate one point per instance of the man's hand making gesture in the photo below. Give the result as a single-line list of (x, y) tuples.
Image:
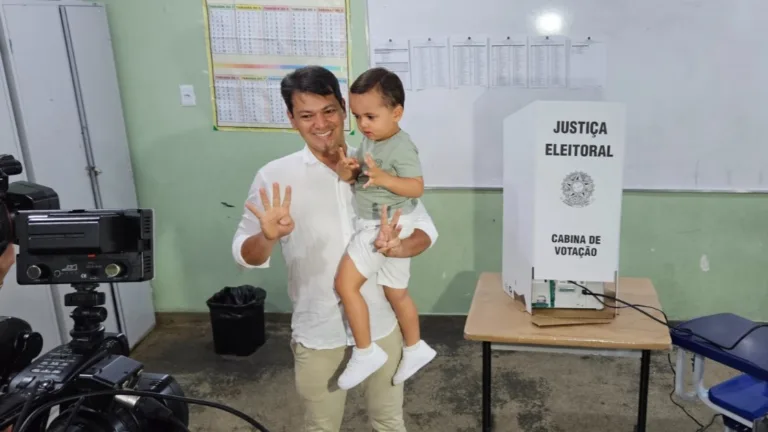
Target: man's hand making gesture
[(347, 168), (276, 221), (388, 241)]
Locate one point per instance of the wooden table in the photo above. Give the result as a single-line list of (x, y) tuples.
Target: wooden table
[(500, 324)]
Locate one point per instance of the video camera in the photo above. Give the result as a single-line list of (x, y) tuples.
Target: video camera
[(97, 387)]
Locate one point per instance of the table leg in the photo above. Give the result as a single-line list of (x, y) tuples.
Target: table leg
[(645, 375), (486, 387)]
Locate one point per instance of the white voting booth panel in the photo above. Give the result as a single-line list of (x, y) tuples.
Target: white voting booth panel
[(563, 170)]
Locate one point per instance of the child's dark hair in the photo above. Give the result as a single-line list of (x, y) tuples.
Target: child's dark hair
[(386, 82)]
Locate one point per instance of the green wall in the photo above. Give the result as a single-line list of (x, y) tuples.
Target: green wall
[(185, 171)]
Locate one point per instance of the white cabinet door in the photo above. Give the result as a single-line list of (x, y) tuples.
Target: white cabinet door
[(51, 121), (97, 77), (33, 304)]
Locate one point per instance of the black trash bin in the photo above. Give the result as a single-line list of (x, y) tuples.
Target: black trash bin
[(237, 320)]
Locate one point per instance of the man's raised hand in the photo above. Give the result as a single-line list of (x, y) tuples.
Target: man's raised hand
[(347, 168), (276, 221), (388, 240)]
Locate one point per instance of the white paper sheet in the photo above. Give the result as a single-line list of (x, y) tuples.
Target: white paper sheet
[(547, 62), (587, 63), (430, 63), (509, 61), (469, 55), (393, 54)]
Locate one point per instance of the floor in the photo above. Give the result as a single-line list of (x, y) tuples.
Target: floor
[(532, 392)]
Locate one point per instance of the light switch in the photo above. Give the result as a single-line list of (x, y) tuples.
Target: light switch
[(187, 95)]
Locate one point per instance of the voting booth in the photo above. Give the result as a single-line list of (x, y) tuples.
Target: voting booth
[(563, 170)]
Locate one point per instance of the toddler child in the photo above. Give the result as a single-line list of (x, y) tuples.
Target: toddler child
[(385, 171)]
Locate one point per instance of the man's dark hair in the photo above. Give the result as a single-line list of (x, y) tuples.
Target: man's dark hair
[(310, 79), (386, 82)]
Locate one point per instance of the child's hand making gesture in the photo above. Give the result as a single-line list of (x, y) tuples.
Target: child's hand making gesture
[(376, 175)]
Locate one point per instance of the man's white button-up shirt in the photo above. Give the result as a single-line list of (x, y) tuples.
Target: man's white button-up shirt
[(323, 213)]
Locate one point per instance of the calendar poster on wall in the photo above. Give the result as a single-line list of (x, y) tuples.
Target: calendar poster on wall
[(254, 43)]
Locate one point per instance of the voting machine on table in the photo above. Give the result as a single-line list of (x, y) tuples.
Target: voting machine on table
[(563, 167)]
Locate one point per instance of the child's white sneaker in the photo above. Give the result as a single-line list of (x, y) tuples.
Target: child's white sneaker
[(361, 365), (415, 357)]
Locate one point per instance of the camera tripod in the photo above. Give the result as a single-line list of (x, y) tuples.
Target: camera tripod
[(88, 333)]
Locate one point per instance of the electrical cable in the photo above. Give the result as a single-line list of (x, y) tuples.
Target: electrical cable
[(37, 412), (674, 373), (95, 358), (28, 403), (73, 413), (711, 422), (671, 327), (669, 358), (637, 307)]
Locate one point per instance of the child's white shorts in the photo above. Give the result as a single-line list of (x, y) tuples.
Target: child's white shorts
[(391, 272)]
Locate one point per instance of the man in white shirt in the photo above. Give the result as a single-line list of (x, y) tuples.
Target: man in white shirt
[(299, 201)]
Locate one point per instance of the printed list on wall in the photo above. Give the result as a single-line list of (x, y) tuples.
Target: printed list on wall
[(460, 61), (255, 43)]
